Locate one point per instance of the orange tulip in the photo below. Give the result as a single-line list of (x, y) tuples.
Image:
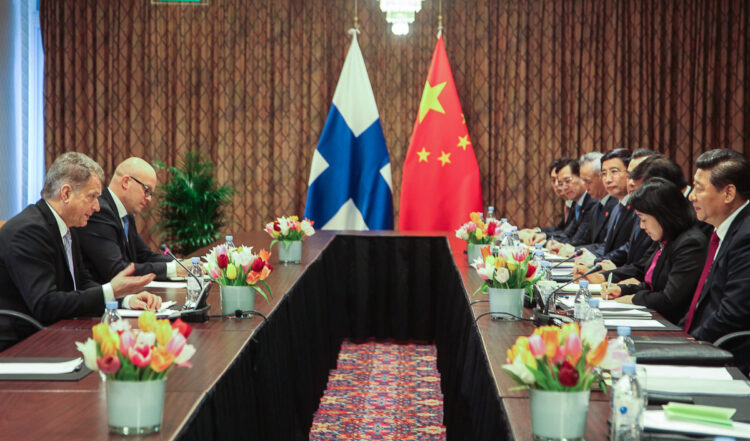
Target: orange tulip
[(161, 359), (551, 337), (264, 255), (253, 277), (594, 357), (109, 344), (265, 272), (485, 252)]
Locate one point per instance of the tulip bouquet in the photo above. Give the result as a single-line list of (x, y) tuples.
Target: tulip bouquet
[(143, 354), (239, 267), (478, 232), (511, 268), (563, 359), (288, 229)]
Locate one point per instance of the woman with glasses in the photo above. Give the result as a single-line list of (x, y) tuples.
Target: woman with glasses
[(666, 279)]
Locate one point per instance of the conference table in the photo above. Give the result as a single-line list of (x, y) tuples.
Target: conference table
[(261, 379)]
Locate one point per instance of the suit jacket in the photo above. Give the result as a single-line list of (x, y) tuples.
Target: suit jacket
[(577, 226), (34, 274), (106, 251), (638, 245), (675, 276), (621, 231), (564, 222), (724, 302), (595, 231)]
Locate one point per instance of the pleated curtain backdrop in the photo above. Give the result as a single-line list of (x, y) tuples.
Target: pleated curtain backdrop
[(249, 83)]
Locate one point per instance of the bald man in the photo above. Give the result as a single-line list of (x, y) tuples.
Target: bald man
[(110, 240)]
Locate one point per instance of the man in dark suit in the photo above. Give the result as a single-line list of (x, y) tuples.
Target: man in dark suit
[(41, 270), (721, 302), (532, 235), (110, 240)]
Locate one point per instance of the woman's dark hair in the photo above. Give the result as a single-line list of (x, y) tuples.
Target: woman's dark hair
[(664, 201)]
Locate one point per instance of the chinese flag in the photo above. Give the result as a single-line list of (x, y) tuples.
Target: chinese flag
[(440, 184)]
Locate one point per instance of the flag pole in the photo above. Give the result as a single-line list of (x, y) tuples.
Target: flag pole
[(440, 18), (356, 18)]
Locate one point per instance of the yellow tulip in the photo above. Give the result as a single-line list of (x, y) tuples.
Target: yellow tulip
[(478, 233), (147, 321), (231, 271), (499, 262), (567, 329), (100, 331), (163, 332), (110, 343), (512, 266)]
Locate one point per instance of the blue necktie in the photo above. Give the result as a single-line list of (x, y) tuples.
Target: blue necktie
[(126, 224), (578, 211)]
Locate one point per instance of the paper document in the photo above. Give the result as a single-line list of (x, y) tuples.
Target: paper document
[(611, 304), (594, 288), (625, 313), (633, 323), (163, 311), (57, 367), (656, 420), (696, 372), (158, 284)]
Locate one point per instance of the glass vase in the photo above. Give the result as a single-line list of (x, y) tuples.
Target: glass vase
[(135, 407), (235, 298), (558, 416), (474, 251), (290, 251), (506, 303)]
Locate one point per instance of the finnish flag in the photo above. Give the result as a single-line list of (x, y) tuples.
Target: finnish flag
[(350, 177)]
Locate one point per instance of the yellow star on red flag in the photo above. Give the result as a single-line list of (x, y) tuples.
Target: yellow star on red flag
[(430, 99), (423, 154), (445, 158), (463, 141)]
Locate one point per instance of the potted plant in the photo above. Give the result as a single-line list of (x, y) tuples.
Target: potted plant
[(239, 273), (191, 204), (289, 231), (506, 276), (559, 366), (134, 365), (479, 235)]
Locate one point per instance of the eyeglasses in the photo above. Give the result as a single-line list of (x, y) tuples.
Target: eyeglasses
[(148, 191), (614, 172)]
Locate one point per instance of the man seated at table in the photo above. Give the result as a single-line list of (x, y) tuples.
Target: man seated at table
[(41, 270), (574, 190), (721, 302), (110, 240), (527, 234)]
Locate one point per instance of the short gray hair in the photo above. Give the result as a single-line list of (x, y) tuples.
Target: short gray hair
[(595, 158), (70, 168)]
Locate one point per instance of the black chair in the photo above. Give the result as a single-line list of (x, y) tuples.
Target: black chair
[(7, 340)]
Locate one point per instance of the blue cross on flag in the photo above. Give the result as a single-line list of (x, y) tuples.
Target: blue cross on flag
[(350, 177)]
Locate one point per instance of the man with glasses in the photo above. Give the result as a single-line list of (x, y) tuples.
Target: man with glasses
[(110, 240)]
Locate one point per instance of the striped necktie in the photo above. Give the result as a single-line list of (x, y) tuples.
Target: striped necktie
[(68, 243)]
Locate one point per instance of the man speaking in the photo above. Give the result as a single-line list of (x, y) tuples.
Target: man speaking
[(41, 270), (110, 240)]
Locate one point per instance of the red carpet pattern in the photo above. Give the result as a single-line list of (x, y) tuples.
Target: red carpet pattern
[(382, 391)]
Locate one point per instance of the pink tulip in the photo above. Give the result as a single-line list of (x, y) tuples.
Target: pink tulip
[(176, 344), (470, 227), (127, 340), (109, 364), (215, 273), (537, 346), (140, 355), (573, 347)]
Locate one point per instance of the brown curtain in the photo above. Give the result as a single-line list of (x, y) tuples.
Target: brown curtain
[(249, 83)]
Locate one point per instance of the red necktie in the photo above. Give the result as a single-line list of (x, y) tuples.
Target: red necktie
[(712, 247)]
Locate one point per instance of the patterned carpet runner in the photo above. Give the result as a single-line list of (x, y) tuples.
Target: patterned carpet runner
[(382, 391)]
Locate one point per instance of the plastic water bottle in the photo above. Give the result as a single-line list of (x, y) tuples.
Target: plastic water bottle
[(514, 236), (111, 317), (506, 240), (582, 300), (538, 258), (593, 314), (546, 271), (538, 246), (193, 287), (627, 406), (623, 339), (229, 242), (490, 213)]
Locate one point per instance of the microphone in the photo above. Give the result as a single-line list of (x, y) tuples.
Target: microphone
[(578, 253), (544, 316), (167, 252)]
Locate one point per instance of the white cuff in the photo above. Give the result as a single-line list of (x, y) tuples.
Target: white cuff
[(172, 270), (126, 301), (109, 293)]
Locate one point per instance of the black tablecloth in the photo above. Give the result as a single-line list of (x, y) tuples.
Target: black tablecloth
[(386, 287)]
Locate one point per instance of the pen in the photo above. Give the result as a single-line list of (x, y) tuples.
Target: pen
[(609, 282)]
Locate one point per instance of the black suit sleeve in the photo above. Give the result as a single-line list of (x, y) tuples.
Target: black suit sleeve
[(734, 308), (101, 246), (686, 264), (34, 272)]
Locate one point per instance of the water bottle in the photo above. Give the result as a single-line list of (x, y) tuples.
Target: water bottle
[(593, 314), (538, 258), (627, 406), (229, 242), (111, 317), (582, 300), (538, 246), (506, 240), (514, 236), (624, 340), (193, 287), (490, 213), (546, 271)]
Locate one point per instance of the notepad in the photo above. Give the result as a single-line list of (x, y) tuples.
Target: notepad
[(633, 323), (612, 304), (657, 420), (696, 372), (634, 313), (159, 284), (594, 288), (721, 416), (164, 311), (46, 368)]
